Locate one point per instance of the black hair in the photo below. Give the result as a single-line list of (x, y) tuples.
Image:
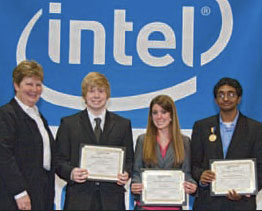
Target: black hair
[(230, 82)]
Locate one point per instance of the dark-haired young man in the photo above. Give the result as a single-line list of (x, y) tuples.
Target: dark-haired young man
[(228, 135)]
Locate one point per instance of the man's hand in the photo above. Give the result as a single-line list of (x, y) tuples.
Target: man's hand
[(233, 196), (79, 175), (123, 178), (207, 177), (24, 203)]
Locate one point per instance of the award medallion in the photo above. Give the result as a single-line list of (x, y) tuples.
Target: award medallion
[(212, 137)]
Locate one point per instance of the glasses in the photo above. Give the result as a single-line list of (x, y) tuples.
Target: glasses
[(229, 95)]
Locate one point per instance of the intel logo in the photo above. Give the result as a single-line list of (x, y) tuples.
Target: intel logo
[(122, 27)]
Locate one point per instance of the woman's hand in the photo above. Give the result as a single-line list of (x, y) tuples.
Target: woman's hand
[(136, 188), (79, 175), (190, 188), (24, 203)]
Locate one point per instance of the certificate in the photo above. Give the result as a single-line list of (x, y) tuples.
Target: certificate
[(238, 175), (163, 187), (102, 163)]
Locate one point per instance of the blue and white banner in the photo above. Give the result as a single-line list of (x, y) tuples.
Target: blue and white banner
[(144, 47)]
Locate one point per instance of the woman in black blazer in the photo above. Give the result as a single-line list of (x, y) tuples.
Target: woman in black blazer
[(26, 143), (162, 147)]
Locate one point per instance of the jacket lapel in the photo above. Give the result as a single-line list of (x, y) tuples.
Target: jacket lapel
[(24, 116), (30, 128), (50, 134), (160, 159), (239, 133), (109, 124), (87, 129), (216, 146), (168, 160)]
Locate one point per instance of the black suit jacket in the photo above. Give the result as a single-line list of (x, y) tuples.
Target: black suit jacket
[(76, 130), (21, 159), (246, 143)]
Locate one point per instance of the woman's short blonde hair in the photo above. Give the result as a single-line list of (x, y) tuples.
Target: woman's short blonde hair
[(95, 79), (27, 69)]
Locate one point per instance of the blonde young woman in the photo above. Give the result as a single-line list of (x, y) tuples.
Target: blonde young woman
[(162, 147)]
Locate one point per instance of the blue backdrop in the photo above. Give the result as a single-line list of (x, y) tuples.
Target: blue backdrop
[(180, 48)]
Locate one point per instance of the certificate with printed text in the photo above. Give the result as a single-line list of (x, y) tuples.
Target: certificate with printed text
[(163, 187), (238, 175), (102, 163)]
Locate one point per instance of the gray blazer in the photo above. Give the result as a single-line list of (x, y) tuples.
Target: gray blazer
[(162, 163)]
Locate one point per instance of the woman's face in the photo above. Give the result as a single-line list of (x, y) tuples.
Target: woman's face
[(29, 90), (161, 117)]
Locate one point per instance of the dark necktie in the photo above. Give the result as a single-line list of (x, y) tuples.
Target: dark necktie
[(98, 130)]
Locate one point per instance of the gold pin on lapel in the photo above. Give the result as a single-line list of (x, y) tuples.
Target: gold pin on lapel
[(212, 137)]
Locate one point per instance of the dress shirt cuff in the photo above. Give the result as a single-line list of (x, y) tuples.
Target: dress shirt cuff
[(20, 195), (71, 176)]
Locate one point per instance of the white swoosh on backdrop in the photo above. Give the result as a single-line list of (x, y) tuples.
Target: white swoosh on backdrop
[(224, 35)]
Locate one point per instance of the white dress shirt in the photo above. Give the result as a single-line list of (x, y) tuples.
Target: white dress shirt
[(92, 118)]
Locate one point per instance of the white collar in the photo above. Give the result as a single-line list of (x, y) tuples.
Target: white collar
[(92, 117), (26, 108)]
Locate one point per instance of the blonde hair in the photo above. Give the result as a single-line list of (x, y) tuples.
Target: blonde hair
[(95, 79), (27, 69), (150, 142)]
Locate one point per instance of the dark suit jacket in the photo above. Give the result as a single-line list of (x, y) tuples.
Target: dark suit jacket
[(21, 159), (76, 130), (246, 143), (162, 163)]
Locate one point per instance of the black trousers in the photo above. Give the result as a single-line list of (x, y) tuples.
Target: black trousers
[(46, 192), (41, 193), (96, 203)]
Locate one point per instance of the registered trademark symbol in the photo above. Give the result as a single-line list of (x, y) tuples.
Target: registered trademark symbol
[(205, 11)]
